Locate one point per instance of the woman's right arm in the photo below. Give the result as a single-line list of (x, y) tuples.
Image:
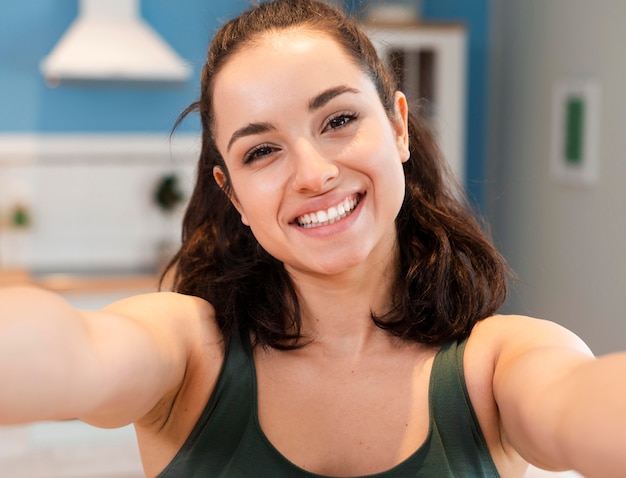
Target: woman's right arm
[(109, 367)]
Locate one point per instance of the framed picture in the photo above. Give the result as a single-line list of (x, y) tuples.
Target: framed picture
[(576, 132)]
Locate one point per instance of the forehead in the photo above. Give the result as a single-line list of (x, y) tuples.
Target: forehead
[(281, 67), (299, 48)]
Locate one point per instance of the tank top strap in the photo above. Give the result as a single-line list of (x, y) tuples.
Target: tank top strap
[(224, 420), (453, 418)]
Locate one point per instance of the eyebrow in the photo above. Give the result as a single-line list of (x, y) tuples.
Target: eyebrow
[(248, 130), (327, 95), (314, 104)]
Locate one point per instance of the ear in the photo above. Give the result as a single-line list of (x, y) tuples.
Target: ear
[(220, 179), (400, 123)]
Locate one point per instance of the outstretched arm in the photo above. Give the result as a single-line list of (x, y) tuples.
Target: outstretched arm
[(560, 407), (109, 367)]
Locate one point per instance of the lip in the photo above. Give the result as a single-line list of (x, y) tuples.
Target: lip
[(323, 204), (332, 226)]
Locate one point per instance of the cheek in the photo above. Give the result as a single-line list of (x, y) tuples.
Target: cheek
[(257, 196), (386, 166), (380, 153)]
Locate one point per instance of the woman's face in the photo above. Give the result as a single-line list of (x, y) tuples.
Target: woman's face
[(315, 163)]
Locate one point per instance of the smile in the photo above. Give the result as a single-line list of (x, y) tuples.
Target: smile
[(330, 215)]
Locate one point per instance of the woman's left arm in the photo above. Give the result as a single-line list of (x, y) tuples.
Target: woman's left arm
[(560, 407)]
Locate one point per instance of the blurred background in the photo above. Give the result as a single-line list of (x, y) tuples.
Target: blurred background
[(92, 186), (80, 162)]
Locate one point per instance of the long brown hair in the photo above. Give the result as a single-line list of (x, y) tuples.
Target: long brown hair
[(450, 275)]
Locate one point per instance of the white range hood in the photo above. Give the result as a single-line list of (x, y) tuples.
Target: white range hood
[(110, 42)]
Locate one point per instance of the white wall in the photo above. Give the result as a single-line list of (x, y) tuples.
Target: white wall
[(566, 243)]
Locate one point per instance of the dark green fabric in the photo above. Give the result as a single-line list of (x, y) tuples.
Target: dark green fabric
[(228, 442)]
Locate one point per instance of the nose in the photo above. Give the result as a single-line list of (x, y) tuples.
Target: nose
[(313, 170)]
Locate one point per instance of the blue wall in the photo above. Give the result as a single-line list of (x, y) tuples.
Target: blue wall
[(475, 15), (29, 29)]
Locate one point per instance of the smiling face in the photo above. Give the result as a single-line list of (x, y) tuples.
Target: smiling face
[(314, 162)]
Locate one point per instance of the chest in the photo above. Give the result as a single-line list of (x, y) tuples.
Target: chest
[(336, 416)]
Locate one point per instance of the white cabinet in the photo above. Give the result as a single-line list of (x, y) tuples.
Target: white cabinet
[(430, 62)]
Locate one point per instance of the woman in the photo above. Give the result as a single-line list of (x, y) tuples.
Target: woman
[(334, 302)]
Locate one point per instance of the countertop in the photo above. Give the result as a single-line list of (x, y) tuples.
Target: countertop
[(92, 281)]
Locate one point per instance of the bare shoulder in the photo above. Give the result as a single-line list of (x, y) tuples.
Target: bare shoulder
[(509, 361), (183, 321), (496, 343), (501, 341), (164, 306), (507, 333), (500, 337)]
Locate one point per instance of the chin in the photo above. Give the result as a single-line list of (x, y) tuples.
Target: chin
[(334, 266)]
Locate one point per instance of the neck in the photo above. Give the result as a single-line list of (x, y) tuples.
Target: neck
[(336, 311)]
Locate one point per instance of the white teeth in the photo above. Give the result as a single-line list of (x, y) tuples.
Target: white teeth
[(329, 216), (332, 214)]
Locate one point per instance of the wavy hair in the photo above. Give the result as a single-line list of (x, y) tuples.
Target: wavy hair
[(450, 276)]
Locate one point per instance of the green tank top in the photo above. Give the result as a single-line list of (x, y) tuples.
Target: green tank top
[(227, 441)]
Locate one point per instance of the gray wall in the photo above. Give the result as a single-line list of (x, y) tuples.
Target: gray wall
[(566, 243)]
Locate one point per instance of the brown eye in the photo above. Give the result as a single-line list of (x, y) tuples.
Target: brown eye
[(340, 120), (257, 153)]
